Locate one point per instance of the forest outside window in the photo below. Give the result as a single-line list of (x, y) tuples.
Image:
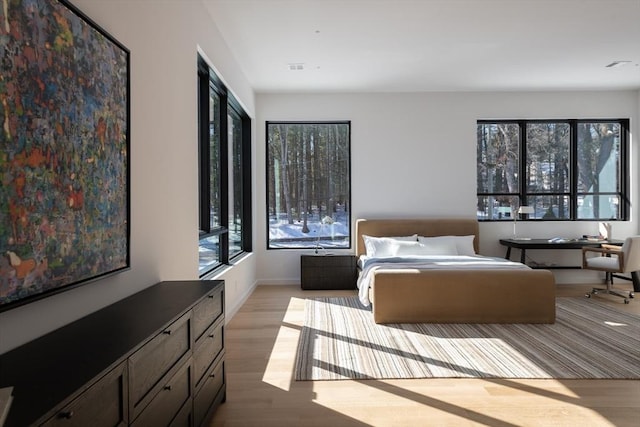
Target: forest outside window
[(564, 169), (308, 185), (225, 173)]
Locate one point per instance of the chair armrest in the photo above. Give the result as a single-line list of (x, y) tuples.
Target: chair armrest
[(601, 251), (608, 250), (604, 250)]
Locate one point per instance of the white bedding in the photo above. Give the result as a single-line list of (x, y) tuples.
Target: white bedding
[(369, 265)]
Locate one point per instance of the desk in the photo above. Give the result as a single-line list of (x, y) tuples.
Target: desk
[(524, 244)]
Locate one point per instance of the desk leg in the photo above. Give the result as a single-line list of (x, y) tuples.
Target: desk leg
[(522, 255), (508, 255)]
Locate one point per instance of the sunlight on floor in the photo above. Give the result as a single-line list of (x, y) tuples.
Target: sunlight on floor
[(528, 403), (615, 324), (295, 311), (263, 341), (280, 364)]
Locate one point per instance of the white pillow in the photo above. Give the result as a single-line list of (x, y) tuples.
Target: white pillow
[(463, 244), (384, 246), (439, 247)]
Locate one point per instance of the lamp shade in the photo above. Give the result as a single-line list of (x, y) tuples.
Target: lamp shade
[(526, 210)]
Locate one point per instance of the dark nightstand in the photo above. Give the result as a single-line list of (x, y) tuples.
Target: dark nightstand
[(328, 271)]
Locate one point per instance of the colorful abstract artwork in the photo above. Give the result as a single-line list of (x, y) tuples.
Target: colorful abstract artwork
[(64, 151)]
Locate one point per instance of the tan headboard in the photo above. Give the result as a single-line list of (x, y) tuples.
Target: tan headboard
[(422, 227)]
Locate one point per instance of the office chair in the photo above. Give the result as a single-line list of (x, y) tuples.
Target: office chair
[(615, 260)]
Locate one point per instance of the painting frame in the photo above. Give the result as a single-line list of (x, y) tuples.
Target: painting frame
[(64, 151)]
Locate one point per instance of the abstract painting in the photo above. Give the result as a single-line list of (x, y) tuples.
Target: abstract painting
[(64, 151)]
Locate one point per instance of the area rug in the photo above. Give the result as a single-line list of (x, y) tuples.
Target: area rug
[(339, 340)]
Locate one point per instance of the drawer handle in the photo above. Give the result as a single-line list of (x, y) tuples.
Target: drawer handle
[(167, 332), (210, 296), (167, 387), (66, 415), (212, 336), (212, 375)]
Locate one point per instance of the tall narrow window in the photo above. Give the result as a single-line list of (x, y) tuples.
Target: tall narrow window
[(600, 180), (210, 231), (547, 169), (235, 182), (225, 173), (564, 169), (308, 185), (498, 166)]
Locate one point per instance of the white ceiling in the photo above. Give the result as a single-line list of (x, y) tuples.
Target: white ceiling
[(432, 45)]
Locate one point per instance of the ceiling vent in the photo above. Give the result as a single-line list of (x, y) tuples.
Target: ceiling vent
[(618, 64), (297, 66)]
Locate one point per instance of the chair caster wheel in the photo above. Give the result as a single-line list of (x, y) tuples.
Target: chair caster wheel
[(626, 301), (632, 295), (587, 295)]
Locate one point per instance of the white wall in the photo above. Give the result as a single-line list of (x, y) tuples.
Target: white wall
[(414, 155), (423, 144), (163, 38)]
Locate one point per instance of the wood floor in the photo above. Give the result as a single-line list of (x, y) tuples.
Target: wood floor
[(261, 342)]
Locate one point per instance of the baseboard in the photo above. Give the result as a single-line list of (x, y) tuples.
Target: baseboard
[(295, 281)]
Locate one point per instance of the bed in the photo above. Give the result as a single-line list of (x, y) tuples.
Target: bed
[(449, 293)]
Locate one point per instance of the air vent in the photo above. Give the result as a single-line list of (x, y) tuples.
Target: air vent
[(618, 64), (297, 66)]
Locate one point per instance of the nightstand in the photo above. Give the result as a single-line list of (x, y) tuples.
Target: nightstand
[(328, 271)]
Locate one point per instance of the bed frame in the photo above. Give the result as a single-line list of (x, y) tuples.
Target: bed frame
[(454, 296)]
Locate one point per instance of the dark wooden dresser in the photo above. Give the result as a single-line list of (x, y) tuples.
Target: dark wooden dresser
[(155, 358), (328, 272)]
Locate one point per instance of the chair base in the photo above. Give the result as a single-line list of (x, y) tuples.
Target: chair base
[(626, 295), (608, 280)]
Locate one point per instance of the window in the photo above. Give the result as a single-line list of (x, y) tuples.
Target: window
[(308, 185), (564, 169), (225, 173)]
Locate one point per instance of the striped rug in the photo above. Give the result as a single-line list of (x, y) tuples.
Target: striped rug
[(339, 340)]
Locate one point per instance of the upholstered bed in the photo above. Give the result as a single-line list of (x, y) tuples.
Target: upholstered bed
[(516, 294)]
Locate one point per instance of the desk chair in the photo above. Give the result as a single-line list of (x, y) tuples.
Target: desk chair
[(614, 260)]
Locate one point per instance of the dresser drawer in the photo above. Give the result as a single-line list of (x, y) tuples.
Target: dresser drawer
[(103, 404), (207, 350), (207, 311), (185, 416), (166, 405), (213, 384), (151, 363)]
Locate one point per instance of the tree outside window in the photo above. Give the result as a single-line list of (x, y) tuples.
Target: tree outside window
[(600, 177), (308, 185), (564, 169)]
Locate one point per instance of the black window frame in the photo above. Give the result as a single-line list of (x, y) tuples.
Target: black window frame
[(523, 194), (267, 206), (207, 81)]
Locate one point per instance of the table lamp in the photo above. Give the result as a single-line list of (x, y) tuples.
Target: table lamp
[(521, 210)]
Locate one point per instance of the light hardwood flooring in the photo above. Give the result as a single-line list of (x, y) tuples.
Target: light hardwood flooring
[(261, 342)]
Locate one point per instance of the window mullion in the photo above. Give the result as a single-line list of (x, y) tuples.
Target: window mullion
[(624, 170), (573, 159), (246, 185), (204, 181), (224, 178), (522, 166)]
